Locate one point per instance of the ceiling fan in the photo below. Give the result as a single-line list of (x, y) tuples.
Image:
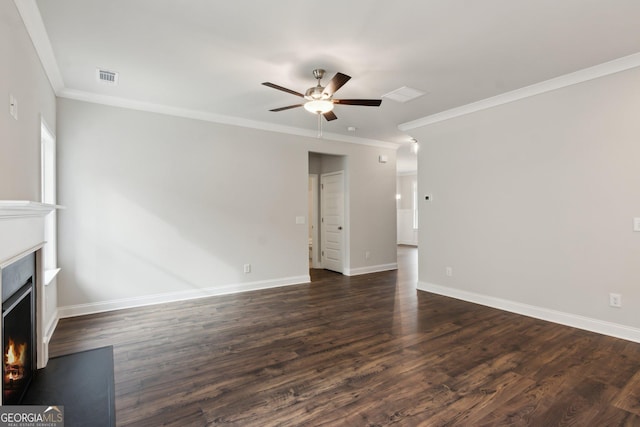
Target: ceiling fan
[(320, 99)]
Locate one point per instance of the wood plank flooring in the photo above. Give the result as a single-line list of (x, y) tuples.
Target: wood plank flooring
[(367, 350)]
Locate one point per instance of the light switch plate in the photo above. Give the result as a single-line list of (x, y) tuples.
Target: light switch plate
[(636, 224)]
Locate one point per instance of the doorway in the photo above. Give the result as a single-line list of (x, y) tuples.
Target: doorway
[(328, 237)]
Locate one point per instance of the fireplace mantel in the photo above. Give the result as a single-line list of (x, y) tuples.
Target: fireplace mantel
[(21, 228), (22, 233), (23, 208)]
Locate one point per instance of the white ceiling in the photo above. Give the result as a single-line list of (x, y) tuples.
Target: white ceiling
[(211, 56)]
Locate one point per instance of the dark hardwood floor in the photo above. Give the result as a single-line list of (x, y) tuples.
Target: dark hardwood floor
[(367, 350)]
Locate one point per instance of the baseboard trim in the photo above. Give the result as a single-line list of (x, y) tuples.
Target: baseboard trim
[(51, 327), (371, 269), (104, 306), (576, 321)]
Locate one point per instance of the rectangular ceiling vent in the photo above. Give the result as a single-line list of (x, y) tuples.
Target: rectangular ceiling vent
[(108, 77), (403, 94)]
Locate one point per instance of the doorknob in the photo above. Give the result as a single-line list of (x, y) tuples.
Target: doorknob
[(339, 228)]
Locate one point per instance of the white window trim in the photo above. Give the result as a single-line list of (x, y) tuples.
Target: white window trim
[(48, 187)]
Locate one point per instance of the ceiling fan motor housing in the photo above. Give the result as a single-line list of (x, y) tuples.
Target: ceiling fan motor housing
[(316, 93)]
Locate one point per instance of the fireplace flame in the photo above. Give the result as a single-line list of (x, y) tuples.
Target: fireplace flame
[(14, 360)]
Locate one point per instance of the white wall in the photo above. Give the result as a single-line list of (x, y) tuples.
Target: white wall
[(22, 76), (533, 204), (162, 208)]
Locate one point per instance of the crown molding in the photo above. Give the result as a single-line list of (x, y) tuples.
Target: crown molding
[(114, 101), (32, 20), (586, 74)]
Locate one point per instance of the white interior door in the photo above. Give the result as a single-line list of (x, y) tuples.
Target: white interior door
[(332, 220)]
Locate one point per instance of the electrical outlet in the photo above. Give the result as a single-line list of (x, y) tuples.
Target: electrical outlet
[(615, 300), (449, 271), (367, 255), (247, 268)]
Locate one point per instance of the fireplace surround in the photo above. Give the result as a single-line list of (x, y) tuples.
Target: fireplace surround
[(21, 242), (18, 328)]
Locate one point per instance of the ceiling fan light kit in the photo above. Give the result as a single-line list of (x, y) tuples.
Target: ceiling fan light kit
[(319, 106), (320, 99)]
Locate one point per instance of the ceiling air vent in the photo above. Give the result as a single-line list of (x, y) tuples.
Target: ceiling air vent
[(108, 77), (404, 94)]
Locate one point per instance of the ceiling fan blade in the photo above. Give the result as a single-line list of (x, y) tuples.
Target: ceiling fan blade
[(336, 83), (365, 102), (288, 107), (284, 89), (330, 115)]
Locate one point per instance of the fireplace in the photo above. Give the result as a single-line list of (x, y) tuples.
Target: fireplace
[(26, 315), (18, 329)]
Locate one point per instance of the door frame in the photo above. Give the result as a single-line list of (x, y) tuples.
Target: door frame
[(314, 213)]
